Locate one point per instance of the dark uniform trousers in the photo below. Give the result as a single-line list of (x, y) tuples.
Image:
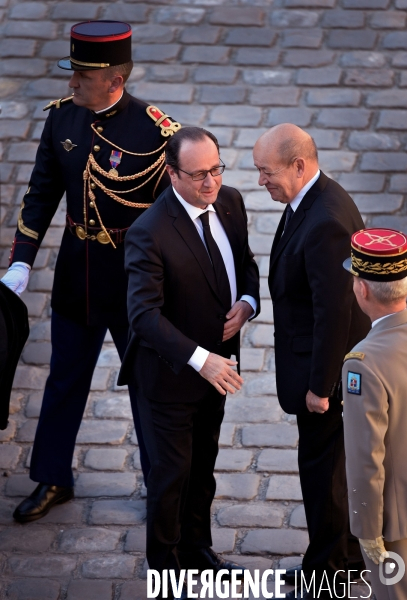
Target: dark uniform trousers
[(182, 445), (75, 351)]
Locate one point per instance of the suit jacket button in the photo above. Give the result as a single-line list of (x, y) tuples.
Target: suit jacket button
[(219, 343), (221, 317)]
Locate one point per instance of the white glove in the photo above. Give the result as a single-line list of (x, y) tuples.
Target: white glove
[(375, 549), (16, 277)]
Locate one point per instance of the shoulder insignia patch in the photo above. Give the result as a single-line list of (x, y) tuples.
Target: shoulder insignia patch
[(354, 383), (357, 355), (168, 126), (57, 103)]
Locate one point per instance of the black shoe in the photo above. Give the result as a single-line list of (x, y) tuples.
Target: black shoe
[(41, 501), (289, 576), (206, 558)]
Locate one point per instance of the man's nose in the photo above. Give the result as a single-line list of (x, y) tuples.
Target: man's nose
[(262, 178), (73, 82)]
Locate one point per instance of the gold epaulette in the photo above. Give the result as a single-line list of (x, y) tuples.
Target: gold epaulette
[(357, 355), (168, 126), (57, 103)]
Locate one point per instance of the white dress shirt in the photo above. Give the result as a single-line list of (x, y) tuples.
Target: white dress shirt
[(200, 355), (296, 202)]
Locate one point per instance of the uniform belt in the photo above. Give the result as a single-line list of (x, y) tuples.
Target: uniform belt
[(95, 233)]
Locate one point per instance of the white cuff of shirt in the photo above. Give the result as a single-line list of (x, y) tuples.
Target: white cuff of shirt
[(20, 263), (253, 303), (198, 358)]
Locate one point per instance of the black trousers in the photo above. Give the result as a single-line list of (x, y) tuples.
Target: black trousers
[(321, 461), (75, 351), (182, 445)]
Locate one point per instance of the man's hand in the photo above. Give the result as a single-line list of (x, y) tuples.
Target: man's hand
[(375, 550), (236, 318), (218, 371), (16, 277), (315, 403)]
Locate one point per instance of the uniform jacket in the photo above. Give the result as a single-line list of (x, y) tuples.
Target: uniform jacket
[(375, 422), (90, 282), (316, 317), (173, 303)]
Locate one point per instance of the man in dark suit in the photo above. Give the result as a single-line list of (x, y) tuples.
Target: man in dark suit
[(101, 147), (193, 283), (317, 321)]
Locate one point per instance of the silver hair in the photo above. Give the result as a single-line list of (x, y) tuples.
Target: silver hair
[(387, 292)]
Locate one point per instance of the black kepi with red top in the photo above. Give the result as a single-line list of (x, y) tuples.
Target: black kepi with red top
[(98, 45), (378, 255)]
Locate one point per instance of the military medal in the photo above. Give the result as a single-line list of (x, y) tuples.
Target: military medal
[(68, 145), (115, 160)]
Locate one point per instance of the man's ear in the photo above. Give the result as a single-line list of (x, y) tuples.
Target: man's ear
[(115, 84), (364, 289), (172, 173), (299, 167)]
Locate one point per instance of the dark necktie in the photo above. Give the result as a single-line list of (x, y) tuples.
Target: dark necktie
[(222, 278), (288, 214)]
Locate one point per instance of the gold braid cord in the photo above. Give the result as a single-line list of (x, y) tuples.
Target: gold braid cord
[(157, 167), (379, 268)]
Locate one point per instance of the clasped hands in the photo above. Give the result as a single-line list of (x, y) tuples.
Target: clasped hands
[(375, 550), (219, 370)]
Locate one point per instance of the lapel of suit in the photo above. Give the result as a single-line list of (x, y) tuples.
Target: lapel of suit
[(228, 219), (186, 228), (297, 218)]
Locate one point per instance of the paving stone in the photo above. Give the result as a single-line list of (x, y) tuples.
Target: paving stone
[(9, 455), (298, 116), (109, 567), (392, 119), (19, 485), (17, 47), (257, 56), (362, 182), (223, 540), (252, 359), (22, 152), (180, 15), (105, 459), (362, 58), (275, 96), (161, 53), (319, 76), (384, 161), (80, 589), (34, 589), (222, 94), (308, 58), (76, 11), (268, 223), (41, 566), (400, 59), (228, 115), (89, 539), (356, 118), (346, 19), (389, 221), (262, 335), (8, 434), (231, 15), (118, 512), (395, 40), (202, 34), (333, 97), (366, 140), (136, 540), (233, 460), (133, 590), (378, 203), (261, 200), (124, 12), (398, 183), (29, 10), (65, 514), (187, 114), (31, 29), (278, 461), (240, 486), (102, 432), (253, 410), (360, 38), (293, 18), (310, 3), (275, 541), (266, 77), (15, 402), (253, 514), (250, 36), (18, 67), (227, 434), (297, 518), (373, 77), (169, 92), (302, 38), (337, 160), (38, 353), (153, 34), (369, 4), (289, 561), (403, 79), (34, 403), (215, 74), (284, 487), (391, 98), (105, 484), (7, 508), (19, 539), (170, 73), (391, 19), (217, 55), (115, 407), (26, 433), (277, 435)]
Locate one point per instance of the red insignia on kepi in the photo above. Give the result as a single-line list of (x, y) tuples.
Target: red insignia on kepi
[(378, 255), (98, 45)]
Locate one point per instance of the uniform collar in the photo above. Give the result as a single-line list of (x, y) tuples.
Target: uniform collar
[(115, 108)]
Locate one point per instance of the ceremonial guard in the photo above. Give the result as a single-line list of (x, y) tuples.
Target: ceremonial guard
[(375, 410), (105, 150)]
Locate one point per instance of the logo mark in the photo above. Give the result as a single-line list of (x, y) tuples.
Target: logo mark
[(395, 566)]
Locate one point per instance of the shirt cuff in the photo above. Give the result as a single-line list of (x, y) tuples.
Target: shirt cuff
[(198, 358), (21, 263), (253, 303)]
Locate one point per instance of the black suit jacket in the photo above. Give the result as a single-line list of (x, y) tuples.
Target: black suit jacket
[(316, 317), (173, 304)]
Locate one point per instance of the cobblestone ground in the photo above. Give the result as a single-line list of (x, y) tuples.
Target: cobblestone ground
[(335, 67)]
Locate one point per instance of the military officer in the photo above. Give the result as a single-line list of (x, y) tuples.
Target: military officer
[(105, 150), (375, 409)]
